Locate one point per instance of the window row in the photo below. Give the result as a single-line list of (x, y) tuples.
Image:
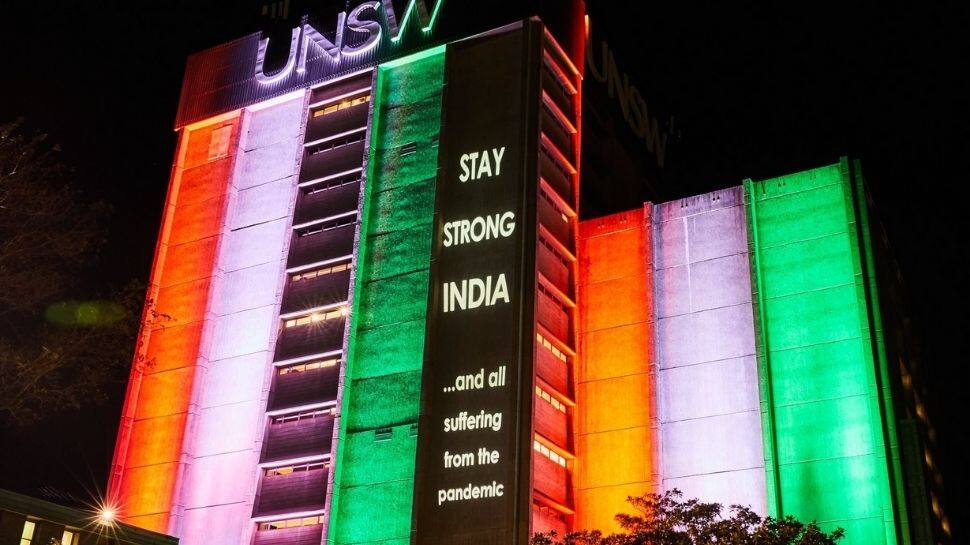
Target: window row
[(548, 453), (320, 272), (335, 143), (309, 366), (317, 317), (342, 105), (564, 86), (291, 523), (27, 535), (332, 183), (549, 512), (286, 470), (556, 404), (557, 161), (555, 251), (552, 296), (308, 415), (326, 225), (555, 205), (542, 341)]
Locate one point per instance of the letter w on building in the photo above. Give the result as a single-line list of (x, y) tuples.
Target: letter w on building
[(416, 8)]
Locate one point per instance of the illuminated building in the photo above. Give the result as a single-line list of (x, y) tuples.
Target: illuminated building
[(376, 318), (25, 520)]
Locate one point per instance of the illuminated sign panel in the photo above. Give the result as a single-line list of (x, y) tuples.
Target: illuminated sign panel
[(472, 486)]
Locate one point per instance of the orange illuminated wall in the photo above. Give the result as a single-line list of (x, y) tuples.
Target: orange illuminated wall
[(150, 454), (617, 426)]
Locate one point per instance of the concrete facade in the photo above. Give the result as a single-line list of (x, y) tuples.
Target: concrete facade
[(705, 350)]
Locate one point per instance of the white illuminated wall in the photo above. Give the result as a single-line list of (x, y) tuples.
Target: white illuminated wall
[(711, 440), (237, 348)]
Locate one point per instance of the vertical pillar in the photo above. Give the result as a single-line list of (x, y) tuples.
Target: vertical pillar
[(617, 394), (825, 431), (708, 378)]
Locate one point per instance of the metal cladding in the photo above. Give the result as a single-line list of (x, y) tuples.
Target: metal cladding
[(375, 318)]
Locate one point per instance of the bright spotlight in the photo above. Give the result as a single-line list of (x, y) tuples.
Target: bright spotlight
[(106, 515)]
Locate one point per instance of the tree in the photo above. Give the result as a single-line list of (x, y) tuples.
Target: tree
[(56, 352), (665, 519)]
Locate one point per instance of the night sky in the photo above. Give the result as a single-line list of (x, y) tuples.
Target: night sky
[(755, 92)]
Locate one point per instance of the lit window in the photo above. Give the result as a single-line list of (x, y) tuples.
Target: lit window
[(316, 317), (548, 398), (302, 367), (291, 523), (321, 272), (543, 342), (219, 142), (276, 471), (342, 105), (28, 533), (549, 453), (68, 538)]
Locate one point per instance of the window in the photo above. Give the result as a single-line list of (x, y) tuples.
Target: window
[(28, 533), (409, 148), (542, 341), (551, 296), (342, 105), (326, 225), (316, 317), (553, 250), (327, 185), (558, 405), (291, 523), (556, 119), (549, 453), (303, 416), (303, 367), (555, 206), (219, 142), (337, 143), (69, 538), (286, 470), (548, 512), (321, 272), (556, 74), (555, 161)]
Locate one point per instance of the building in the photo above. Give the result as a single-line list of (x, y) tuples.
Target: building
[(29, 521), (376, 317)]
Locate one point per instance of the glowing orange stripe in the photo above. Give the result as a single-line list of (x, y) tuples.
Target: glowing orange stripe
[(145, 471), (616, 389)]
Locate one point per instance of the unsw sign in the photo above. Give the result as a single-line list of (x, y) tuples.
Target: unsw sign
[(235, 75), (356, 34)]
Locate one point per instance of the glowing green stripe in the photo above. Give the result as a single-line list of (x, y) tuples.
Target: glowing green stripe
[(374, 468), (825, 427)]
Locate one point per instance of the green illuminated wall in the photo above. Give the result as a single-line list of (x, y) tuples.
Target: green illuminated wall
[(830, 439), (374, 469)]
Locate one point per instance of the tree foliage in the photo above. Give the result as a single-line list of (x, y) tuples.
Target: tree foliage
[(666, 519), (57, 350)]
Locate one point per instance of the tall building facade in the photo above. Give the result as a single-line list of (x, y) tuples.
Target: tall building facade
[(376, 317)]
